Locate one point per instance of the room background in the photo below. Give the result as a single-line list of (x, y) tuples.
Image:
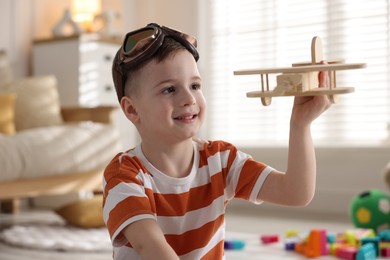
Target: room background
[(342, 171)]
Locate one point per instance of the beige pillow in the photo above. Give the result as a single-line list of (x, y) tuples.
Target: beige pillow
[(37, 102), (7, 111), (84, 213)]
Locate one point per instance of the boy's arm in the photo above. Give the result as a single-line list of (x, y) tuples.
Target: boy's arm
[(296, 187), (148, 240)]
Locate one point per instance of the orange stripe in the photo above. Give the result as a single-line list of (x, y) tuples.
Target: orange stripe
[(212, 149), (194, 239), (122, 212), (196, 198), (250, 168), (116, 173)]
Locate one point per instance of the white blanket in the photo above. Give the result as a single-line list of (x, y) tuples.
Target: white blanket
[(63, 238), (56, 150)]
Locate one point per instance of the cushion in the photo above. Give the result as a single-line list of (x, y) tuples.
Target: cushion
[(37, 102), (6, 75), (86, 213), (7, 109), (56, 150)]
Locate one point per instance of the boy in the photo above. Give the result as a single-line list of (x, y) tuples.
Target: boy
[(166, 198)]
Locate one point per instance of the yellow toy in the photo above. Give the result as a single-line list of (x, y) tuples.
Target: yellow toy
[(302, 78)]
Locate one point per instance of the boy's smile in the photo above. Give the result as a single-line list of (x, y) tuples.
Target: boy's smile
[(169, 104)]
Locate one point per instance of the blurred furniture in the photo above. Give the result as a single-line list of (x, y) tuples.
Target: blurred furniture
[(82, 65), (46, 149)]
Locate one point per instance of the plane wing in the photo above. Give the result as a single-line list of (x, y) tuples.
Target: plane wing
[(303, 69)]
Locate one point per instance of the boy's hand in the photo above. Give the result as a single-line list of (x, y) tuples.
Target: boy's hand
[(308, 108)]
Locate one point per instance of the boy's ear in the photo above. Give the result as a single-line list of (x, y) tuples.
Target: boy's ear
[(129, 109)]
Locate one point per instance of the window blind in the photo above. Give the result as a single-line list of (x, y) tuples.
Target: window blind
[(250, 34)]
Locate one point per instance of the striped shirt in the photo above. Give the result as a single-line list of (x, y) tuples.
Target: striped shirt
[(189, 210)]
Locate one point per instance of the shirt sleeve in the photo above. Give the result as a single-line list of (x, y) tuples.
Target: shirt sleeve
[(245, 176), (125, 197)]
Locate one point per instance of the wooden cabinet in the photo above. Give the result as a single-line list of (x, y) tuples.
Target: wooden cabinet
[(82, 65)]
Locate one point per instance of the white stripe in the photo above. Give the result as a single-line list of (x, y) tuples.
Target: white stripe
[(202, 178), (234, 174), (104, 183), (177, 225), (125, 253), (259, 183), (218, 161), (120, 192), (199, 253)]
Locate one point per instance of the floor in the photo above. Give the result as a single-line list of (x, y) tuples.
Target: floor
[(241, 224)]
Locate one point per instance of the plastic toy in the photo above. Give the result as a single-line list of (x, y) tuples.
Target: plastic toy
[(373, 241), (346, 252), (302, 78), (359, 244), (234, 244), (268, 239), (366, 252), (385, 235), (371, 209), (385, 252)]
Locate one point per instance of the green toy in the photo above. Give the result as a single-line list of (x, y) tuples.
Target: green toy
[(371, 209)]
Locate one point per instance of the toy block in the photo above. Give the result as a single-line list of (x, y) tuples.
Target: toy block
[(385, 252), (289, 245), (372, 240), (346, 252), (366, 252), (234, 244), (333, 247), (384, 235), (268, 239), (292, 233), (331, 238), (384, 244), (350, 237), (300, 247), (316, 243)]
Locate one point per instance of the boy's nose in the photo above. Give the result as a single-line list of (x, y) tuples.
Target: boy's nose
[(188, 98)]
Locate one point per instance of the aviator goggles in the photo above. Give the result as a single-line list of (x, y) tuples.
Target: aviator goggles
[(139, 45)]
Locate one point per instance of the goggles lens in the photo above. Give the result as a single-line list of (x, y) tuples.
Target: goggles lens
[(138, 39)]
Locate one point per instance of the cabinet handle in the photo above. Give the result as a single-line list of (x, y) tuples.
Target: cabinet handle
[(107, 57), (108, 88)]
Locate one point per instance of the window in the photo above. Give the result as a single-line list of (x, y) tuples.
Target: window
[(252, 34)]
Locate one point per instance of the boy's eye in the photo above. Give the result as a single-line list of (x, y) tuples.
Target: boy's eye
[(169, 90), (195, 86)]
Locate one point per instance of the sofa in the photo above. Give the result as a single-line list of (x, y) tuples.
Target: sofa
[(46, 149)]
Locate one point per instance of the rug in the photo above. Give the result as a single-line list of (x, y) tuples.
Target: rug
[(57, 237)]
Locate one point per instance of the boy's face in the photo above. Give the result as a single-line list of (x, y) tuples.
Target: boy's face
[(168, 104)]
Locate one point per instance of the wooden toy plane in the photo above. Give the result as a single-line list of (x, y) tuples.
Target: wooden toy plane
[(302, 78)]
